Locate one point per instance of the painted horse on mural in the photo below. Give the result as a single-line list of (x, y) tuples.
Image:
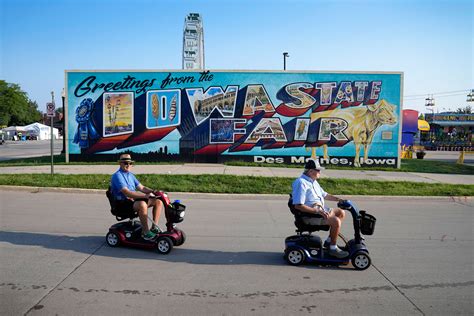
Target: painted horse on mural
[(364, 121)]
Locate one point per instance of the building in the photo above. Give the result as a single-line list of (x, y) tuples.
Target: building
[(449, 131), (57, 121), (193, 42)]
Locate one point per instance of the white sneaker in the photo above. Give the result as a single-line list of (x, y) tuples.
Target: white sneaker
[(338, 253)]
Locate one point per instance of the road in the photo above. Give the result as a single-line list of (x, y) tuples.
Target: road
[(54, 260), (31, 148)]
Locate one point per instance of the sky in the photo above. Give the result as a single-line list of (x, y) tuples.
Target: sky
[(431, 41)]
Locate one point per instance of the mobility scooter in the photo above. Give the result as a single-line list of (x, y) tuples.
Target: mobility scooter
[(129, 232), (305, 247)]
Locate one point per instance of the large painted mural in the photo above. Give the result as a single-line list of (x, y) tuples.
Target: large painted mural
[(342, 118)]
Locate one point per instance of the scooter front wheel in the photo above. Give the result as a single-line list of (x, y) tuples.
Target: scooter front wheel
[(361, 260), (164, 245), (295, 257)]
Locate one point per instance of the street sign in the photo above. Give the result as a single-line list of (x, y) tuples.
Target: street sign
[(50, 108)]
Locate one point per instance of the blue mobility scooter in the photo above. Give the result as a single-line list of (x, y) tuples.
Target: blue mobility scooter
[(305, 247), (128, 231)]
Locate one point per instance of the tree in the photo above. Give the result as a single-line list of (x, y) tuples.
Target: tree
[(35, 114), (15, 106)]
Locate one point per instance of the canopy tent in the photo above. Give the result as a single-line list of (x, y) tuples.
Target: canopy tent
[(12, 132), (14, 129), (42, 131)]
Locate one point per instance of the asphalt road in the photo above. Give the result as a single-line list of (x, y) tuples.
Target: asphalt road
[(32, 148), (54, 260)]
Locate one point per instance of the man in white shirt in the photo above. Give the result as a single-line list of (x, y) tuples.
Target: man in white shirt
[(308, 197)]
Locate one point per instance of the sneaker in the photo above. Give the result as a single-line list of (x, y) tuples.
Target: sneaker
[(149, 236), (326, 244), (338, 253), (156, 230)]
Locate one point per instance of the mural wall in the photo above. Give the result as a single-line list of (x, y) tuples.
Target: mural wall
[(348, 119)]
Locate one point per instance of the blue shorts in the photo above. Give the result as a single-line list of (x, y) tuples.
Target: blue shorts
[(125, 206)]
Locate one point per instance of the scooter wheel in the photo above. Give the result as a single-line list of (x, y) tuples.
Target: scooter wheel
[(164, 245), (295, 257), (361, 260), (112, 239)]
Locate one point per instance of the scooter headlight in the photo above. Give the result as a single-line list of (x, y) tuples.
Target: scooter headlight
[(181, 214)]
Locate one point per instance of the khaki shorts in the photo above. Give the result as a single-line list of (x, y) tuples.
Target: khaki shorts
[(314, 221), (317, 220)]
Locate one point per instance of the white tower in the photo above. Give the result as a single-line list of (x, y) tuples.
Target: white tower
[(193, 42)]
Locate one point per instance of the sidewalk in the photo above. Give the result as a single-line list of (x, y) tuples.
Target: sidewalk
[(195, 169)]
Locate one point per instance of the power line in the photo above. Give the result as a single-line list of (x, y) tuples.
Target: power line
[(437, 94)]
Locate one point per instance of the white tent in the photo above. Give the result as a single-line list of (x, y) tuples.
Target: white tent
[(42, 131), (12, 131)]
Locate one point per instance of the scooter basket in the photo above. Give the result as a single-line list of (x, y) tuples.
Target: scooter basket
[(175, 212), (367, 223)]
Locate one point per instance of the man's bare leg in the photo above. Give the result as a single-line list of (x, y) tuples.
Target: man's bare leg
[(141, 208), (157, 208)]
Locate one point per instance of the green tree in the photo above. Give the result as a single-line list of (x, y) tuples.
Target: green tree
[(15, 106), (35, 114)]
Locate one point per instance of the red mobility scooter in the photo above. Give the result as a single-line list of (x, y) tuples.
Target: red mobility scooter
[(128, 231)]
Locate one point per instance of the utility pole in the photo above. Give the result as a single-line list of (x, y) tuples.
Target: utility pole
[(63, 97), (51, 112)]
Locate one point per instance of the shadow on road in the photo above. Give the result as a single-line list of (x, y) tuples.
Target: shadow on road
[(96, 245)]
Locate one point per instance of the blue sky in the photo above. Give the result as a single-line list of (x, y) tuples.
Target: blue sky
[(430, 41)]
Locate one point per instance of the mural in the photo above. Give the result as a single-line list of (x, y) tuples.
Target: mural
[(348, 118)]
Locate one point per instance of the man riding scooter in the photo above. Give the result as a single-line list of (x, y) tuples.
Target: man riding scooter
[(130, 193), (308, 197)]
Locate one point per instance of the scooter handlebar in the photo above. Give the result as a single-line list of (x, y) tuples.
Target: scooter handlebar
[(344, 204), (161, 195)]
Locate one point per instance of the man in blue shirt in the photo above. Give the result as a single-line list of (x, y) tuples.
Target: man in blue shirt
[(308, 197), (130, 193)]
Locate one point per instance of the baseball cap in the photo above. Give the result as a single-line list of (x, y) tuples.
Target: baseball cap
[(313, 164)]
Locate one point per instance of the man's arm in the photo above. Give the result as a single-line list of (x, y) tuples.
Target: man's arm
[(299, 196), (331, 197), (144, 189), (134, 194)]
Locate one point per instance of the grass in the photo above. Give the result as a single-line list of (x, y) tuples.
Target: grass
[(431, 166), (240, 184), (249, 184), (61, 160)]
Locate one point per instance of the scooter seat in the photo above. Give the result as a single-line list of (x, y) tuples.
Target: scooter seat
[(302, 225), (119, 215), (302, 219)]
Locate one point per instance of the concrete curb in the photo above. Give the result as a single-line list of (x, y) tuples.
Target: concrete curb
[(228, 196)]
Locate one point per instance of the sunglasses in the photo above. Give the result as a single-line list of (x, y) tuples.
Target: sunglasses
[(127, 163)]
